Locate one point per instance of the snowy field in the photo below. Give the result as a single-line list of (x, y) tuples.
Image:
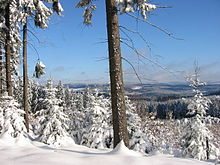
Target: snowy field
[(36, 153)]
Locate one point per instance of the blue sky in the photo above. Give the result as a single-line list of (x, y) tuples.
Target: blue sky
[(77, 53)]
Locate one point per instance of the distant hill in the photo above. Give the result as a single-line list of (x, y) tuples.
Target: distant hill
[(152, 91)]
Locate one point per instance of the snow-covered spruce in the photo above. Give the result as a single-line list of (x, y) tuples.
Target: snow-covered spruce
[(13, 14), (12, 119), (43, 12), (60, 93), (52, 120), (10, 29), (138, 141), (18, 90), (75, 111), (97, 132), (75, 124), (70, 99), (197, 141), (36, 97), (18, 11)]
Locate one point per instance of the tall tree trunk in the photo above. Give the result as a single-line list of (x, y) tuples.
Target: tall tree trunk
[(207, 148), (116, 76), (8, 51), (1, 71), (25, 76)]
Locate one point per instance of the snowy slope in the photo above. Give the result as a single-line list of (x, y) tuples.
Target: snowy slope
[(35, 153)]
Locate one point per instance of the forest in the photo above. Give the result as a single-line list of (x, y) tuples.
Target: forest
[(55, 115)]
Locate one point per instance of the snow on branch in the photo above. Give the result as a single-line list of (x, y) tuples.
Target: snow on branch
[(39, 69), (126, 6), (89, 7)]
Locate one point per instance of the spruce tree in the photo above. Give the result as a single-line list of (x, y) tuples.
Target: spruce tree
[(197, 141), (97, 130), (52, 120), (60, 93), (137, 139), (115, 57), (13, 121)]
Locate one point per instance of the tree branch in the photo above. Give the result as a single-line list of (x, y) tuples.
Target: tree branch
[(135, 32), (33, 47), (132, 68), (150, 60), (153, 25), (35, 36)]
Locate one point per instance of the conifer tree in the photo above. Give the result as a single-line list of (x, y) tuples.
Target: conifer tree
[(25, 75), (197, 139), (68, 99), (52, 120), (60, 93), (18, 90), (115, 58), (41, 13), (97, 130), (79, 101), (137, 139), (1, 69), (8, 49), (13, 121), (36, 93)]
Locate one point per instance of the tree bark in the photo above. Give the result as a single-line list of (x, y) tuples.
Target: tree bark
[(25, 76), (8, 51), (1, 71), (116, 76), (207, 148)]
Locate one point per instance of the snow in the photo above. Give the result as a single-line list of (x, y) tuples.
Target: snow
[(21, 140), (121, 149), (38, 153), (136, 88)]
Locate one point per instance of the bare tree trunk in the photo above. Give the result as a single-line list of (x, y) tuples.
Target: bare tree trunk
[(8, 51), (116, 76), (25, 76), (207, 148), (1, 71)]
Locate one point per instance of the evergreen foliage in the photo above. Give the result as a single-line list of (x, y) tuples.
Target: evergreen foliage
[(52, 120), (60, 93), (12, 118), (197, 142), (124, 6), (138, 141), (97, 132)]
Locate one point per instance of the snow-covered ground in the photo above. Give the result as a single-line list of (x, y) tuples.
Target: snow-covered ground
[(36, 153)]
